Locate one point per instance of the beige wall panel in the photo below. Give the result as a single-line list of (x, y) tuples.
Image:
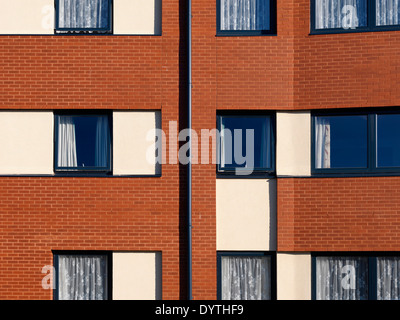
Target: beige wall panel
[(27, 17), (246, 214), (131, 143), (136, 276), (293, 145), (137, 17), (293, 276), (26, 142)]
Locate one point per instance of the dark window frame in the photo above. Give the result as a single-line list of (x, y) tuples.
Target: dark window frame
[(269, 172), (87, 31), (371, 22), (372, 168), (270, 254), (80, 171), (57, 253), (272, 23), (372, 258)]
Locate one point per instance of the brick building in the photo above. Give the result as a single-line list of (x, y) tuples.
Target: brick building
[(303, 206)]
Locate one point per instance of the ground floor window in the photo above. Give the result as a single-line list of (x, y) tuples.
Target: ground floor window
[(82, 276), (245, 276), (356, 277)]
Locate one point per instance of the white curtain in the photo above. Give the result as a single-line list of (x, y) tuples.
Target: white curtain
[(83, 13), (66, 142), (322, 143), (101, 142), (340, 278), (226, 145), (82, 277), (387, 12), (244, 15), (246, 278), (338, 13), (388, 278)]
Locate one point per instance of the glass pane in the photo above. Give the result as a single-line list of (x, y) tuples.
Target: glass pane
[(84, 14), (245, 14), (388, 140), (245, 278), (82, 277), (346, 14), (341, 142), (246, 142), (341, 278), (83, 142), (388, 278), (387, 12)]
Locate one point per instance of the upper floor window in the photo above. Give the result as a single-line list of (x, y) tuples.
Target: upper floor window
[(364, 142), (83, 16), (246, 144), (83, 143), (354, 15), (245, 17)]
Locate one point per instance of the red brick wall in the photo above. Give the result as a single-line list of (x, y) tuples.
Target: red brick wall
[(44, 213), (41, 214), (341, 71), (339, 214), (344, 70), (292, 70)]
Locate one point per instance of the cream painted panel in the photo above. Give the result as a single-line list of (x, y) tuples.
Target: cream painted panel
[(293, 276), (131, 143), (136, 276), (293, 145), (26, 142), (137, 17), (246, 214), (27, 17)]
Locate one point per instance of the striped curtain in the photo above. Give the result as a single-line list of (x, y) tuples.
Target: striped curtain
[(333, 14), (244, 14), (387, 12), (342, 278), (67, 156), (83, 14)]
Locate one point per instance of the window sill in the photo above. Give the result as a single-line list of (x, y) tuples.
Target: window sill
[(253, 175), (245, 34), (76, 175), (361, 30), (354, 174)]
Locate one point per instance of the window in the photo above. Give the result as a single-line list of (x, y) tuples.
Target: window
[(82, 276), (78, 16), (83, 143), (246, 17), (362, 142), (354, 15), (246, 144), (246, 276), (356, 277)]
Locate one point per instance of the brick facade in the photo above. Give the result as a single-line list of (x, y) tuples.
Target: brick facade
[(290, 71)]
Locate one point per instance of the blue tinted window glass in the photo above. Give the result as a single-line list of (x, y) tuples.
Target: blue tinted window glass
[(343, 14), (246, 142), (245, 15), (387, 12), (388, 140), (83, 142), (341, 142), (83, 14), (85, 130)]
